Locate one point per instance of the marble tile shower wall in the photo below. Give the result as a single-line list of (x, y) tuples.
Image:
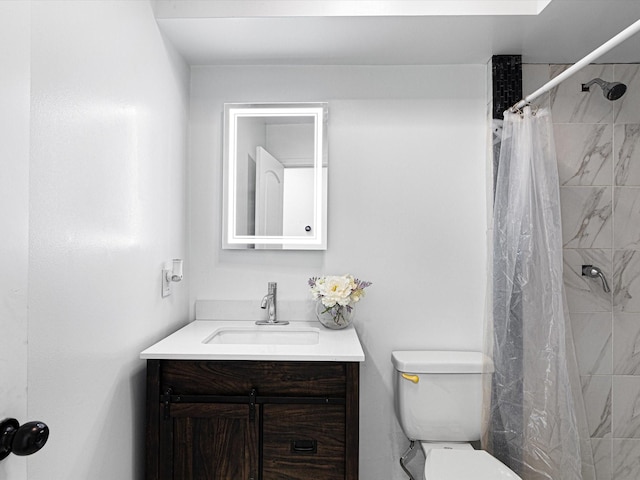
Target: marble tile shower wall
[(598, 149)]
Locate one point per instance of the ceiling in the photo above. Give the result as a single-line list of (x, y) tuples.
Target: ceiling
[(396, 32)]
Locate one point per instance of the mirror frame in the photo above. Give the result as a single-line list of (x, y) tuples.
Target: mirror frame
[(318, 111)]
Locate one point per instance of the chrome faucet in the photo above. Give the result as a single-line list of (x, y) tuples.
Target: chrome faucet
[(269, 303)]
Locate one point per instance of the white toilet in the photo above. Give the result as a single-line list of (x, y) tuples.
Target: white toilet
[(438, 399)]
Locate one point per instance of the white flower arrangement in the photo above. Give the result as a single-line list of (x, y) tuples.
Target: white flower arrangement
[(338, 294)]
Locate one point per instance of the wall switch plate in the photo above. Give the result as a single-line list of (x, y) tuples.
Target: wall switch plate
[(166, 284)]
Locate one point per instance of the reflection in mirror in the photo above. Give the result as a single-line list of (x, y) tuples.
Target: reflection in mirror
[(275, 176)]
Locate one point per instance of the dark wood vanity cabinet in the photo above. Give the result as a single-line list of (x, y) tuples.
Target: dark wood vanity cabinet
[(252, 420)]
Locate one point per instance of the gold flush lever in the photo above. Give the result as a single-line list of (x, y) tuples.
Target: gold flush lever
[(411, 378)]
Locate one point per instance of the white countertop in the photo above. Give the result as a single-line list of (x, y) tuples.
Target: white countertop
[(190, 343)]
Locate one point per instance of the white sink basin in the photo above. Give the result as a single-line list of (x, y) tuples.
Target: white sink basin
[(264, 335)]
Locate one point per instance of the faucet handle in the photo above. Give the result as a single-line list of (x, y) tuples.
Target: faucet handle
[(273, 286)]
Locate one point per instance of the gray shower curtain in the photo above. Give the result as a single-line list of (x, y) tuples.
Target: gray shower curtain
[(535, 419)]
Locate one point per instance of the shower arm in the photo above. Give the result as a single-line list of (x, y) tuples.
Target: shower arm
[(579, 65), (587, 86), (594, 272)]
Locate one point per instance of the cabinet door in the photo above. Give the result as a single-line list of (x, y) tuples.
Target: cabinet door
[(302, 442), (210, 441)]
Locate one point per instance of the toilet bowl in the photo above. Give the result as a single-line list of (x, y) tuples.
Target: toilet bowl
[(438, 401)]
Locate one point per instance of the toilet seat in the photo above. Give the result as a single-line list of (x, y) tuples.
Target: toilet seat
[(444, 464)]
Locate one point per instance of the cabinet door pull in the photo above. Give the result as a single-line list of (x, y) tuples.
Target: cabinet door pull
[(252, 405), (304, 446), (166, 403)]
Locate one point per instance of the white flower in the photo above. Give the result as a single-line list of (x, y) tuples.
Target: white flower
[(356, 295), (336, 289)]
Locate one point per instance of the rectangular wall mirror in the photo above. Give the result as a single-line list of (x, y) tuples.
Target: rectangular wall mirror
[(275, 176)]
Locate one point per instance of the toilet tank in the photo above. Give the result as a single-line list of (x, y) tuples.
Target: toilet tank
[(439, 397)]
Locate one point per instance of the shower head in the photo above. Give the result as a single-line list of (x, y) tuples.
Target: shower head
[(611, 90)]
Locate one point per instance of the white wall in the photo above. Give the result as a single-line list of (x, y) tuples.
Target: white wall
[(14, 214), (109, 110), (407, 211)]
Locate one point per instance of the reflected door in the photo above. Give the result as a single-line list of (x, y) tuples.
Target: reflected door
[(269, 193)]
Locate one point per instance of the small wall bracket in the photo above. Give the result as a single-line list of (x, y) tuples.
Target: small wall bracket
[(173, 275)]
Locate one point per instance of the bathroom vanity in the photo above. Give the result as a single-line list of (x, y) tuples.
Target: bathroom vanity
[(236, 401)]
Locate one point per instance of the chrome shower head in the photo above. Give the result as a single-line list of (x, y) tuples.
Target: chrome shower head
[(611, 90)]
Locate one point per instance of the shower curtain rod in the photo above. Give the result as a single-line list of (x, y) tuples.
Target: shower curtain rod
[(604, 48)]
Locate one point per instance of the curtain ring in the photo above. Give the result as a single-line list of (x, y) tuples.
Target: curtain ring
[(520, 111)]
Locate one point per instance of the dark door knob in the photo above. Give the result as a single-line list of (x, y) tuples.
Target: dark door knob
[(21, 440), (30, 438)]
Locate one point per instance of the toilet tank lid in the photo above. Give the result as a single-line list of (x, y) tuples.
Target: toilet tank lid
[(438, 361)]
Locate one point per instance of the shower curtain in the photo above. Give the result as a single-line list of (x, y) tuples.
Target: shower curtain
[(536, 423)]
